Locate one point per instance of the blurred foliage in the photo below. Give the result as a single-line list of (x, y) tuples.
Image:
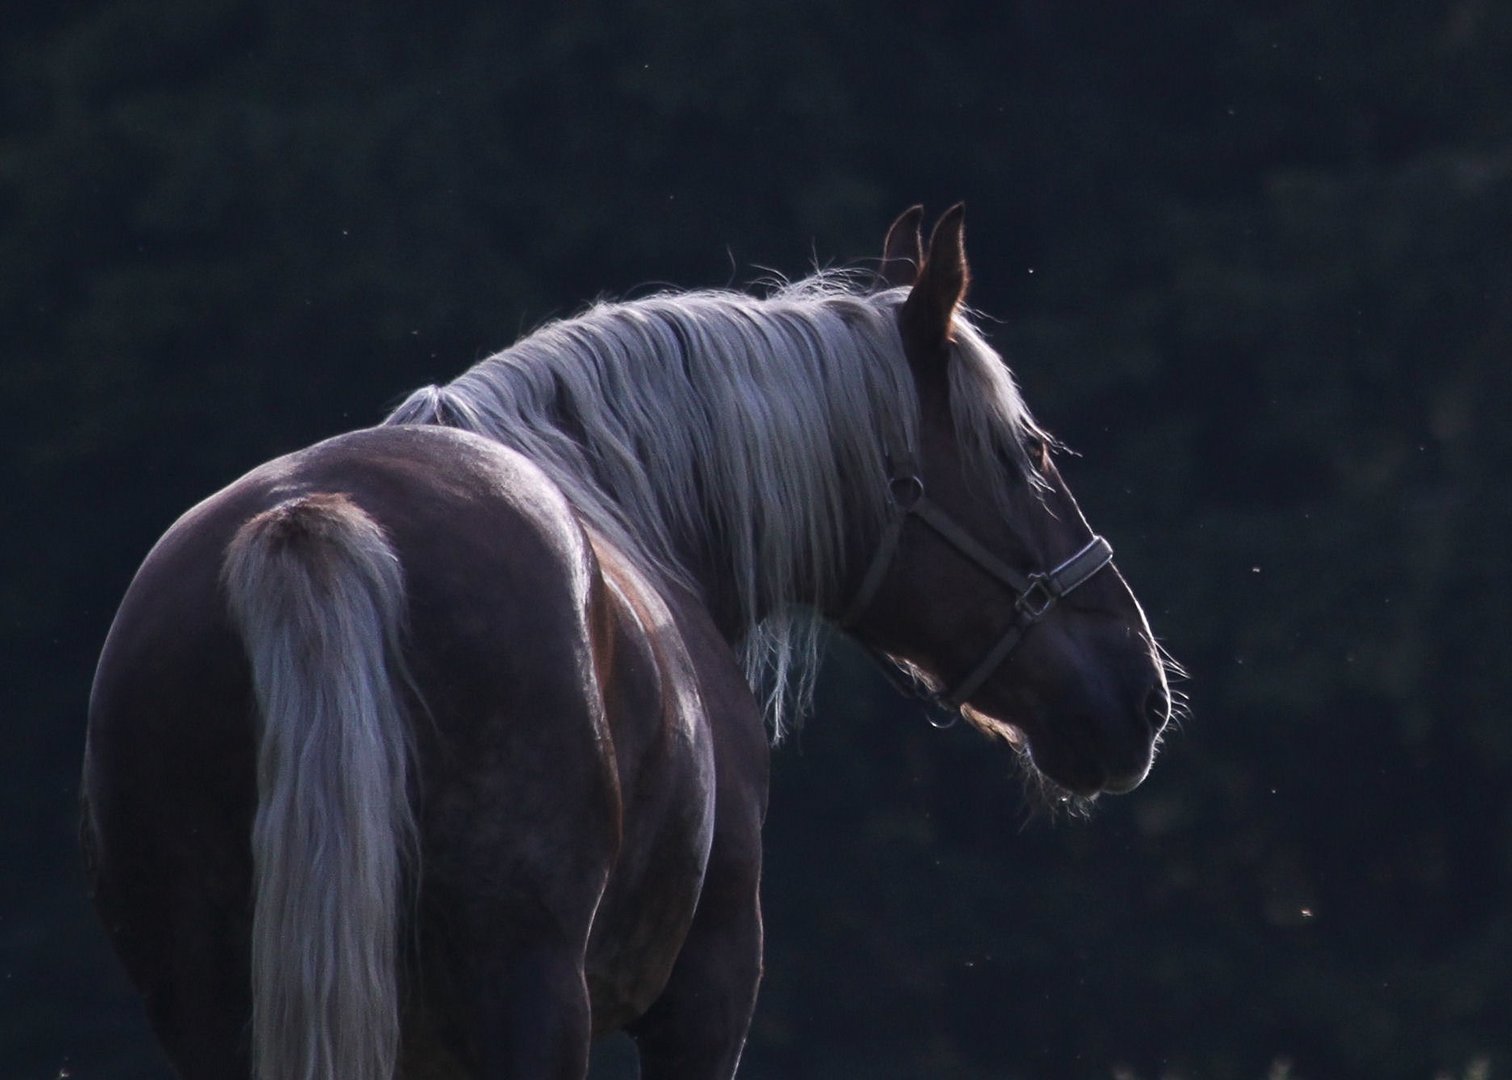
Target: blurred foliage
[(1251, 260)]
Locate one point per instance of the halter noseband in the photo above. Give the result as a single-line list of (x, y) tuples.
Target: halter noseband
[(1035, 594)]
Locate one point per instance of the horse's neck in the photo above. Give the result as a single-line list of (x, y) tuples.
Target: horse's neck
[(711, 588), (714, 566)]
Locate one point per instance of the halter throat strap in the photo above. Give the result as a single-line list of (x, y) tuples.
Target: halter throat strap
[(1034, 594)]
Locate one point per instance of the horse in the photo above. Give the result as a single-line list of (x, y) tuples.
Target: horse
[(439, 748)]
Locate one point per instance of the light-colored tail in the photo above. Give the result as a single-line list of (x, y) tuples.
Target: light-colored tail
[(318, 595)]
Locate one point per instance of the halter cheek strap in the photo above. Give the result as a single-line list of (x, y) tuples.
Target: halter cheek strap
[(1034, 594)]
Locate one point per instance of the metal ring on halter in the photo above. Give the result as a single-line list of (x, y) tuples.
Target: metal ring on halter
[(907, 491), (942, 718)]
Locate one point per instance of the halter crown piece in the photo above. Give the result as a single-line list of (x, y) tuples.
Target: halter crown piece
[(1035, 594)]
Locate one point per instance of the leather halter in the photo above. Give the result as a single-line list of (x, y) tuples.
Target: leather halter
[(1035, 594)]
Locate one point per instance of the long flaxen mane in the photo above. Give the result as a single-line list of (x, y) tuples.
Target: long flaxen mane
[(766, 419)]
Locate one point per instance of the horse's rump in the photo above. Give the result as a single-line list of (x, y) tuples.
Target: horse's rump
[(272, 632)]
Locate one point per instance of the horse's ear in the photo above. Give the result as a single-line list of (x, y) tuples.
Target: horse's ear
[(928, 314), (903, 250)]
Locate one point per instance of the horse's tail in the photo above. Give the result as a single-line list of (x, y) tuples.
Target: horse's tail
[(318, 595)]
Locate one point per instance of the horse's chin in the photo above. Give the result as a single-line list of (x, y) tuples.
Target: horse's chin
[(1059, 770)]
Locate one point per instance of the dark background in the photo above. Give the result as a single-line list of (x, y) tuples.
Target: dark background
[(1251, 260)]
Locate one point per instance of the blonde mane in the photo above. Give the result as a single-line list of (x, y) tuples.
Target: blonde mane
[(764, 421)]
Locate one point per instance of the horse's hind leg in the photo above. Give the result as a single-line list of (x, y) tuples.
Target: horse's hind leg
[(531, 1014), (201, 1015), (697, 1028), (506, 983), (519, 834), (182, 941)]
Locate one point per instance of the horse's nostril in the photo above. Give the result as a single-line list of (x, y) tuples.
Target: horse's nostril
[(1157, 707)]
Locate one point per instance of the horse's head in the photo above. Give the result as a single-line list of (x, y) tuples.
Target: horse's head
[(988, 582)]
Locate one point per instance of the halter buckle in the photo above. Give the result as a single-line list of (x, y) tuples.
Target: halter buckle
[(1038, 598)]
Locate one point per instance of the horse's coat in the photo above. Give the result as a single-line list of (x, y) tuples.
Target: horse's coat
[(434, 750)]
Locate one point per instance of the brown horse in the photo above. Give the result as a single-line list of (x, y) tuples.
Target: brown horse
[(431, 750)]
